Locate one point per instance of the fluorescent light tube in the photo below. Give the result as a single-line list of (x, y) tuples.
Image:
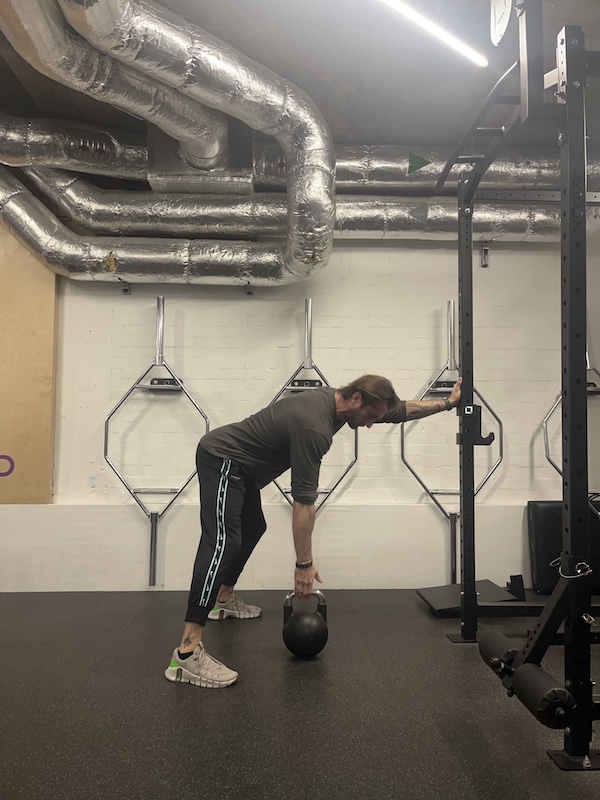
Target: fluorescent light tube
[(438, 32)]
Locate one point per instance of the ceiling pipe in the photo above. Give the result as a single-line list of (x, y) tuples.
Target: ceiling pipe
[(361, 169), (130, 213), (292, 121), (154, 260), (72, 146), (38, 32), (415, 170), (170, 50), (135, 260)]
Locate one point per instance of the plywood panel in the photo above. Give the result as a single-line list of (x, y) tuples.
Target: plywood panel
[(27, 374)]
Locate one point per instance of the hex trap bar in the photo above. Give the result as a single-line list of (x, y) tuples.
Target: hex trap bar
[(296, 384), (156, 384)]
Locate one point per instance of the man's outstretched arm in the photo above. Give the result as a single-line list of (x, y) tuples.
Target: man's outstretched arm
[(415, 409)]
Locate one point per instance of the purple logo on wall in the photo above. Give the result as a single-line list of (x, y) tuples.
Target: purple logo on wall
[(11, 466)]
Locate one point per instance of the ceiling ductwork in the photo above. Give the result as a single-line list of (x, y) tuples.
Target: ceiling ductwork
[(134, 260), (190, 62), (409, 170), (166, 48), (186, 84), (414, 169), (129, 213), (73, 146), (38, 32)]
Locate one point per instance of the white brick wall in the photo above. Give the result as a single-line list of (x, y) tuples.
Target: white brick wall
[(376, 309)]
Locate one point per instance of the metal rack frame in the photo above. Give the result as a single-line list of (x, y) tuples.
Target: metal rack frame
[(570, 602), (437, 386)]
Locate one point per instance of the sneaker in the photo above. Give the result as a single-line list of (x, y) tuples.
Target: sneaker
[(200, 669), (234, 608)]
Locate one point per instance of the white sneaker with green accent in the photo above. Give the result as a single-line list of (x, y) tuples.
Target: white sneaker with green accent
[(234, 608), (200, 669)]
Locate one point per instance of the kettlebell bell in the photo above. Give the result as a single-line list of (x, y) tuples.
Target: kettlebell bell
[(305, 632)]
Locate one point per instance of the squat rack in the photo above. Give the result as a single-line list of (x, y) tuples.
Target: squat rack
[(571, 707)]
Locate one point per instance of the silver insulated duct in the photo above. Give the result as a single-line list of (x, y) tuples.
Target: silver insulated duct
[(129, 213), (132, 260), (414, 170), (170, 50), (37, 31), (71, 145), (189, 231)]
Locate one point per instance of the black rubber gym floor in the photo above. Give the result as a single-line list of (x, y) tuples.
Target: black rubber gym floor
[(390, 709)]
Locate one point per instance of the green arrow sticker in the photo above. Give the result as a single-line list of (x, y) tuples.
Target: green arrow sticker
[(416, 162)]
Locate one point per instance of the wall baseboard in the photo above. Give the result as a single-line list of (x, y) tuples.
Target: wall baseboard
[(66, 548)]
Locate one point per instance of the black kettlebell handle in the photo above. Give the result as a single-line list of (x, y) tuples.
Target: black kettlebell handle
[(288, 604)]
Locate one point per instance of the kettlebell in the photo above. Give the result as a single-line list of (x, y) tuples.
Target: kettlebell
[(305, 632)]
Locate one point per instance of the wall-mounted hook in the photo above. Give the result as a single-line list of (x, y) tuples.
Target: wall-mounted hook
[(485, 255)]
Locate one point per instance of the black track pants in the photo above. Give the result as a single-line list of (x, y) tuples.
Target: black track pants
[(232, 523)]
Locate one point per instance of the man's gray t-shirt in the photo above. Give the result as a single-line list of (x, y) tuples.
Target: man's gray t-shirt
[(295, 432)]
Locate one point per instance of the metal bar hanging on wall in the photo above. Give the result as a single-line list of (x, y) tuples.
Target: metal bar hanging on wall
[(297, 384), (153, 385)]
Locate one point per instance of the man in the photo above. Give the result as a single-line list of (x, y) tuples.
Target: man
[(234, 462)]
